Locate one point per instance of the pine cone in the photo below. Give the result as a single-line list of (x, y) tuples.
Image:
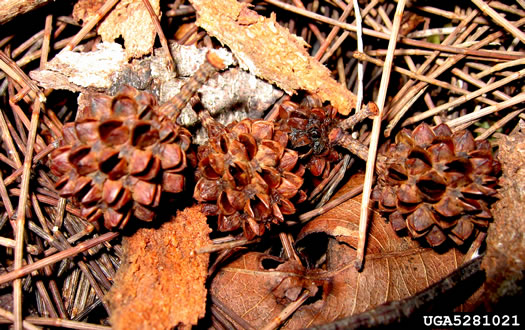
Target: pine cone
[(247, 176), (437, 184), (120, 157), (308, 126)]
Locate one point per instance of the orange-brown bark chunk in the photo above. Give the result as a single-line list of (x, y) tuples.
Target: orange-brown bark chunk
[(161, 283)]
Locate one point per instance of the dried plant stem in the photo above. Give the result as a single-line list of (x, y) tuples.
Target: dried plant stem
[(469, 118), (500, 20), (10, 243), (376, 127), (106, 7), (312, 26), (56, 322), (9, 316), (5, 198), (79, 248), (21, 215), (288, 310), (464, 98)]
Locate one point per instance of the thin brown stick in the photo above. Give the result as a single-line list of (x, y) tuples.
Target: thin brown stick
[(498, 67), (464, 98), (227, 245), (331, 204), (57, 322), (407, 96), (20, 220), (106, 7), (312, 26), (420, 77), (478, 83), (11, 243), (162, 38), (9, 316), (345, 34), (288, 310), (79, 248), (38, 157), (13, 71), (500, 20), (386, 36), (27, 44), (499, 124), (450, 15), (332, 34), (376, 128), (46, 41), (469, 118)]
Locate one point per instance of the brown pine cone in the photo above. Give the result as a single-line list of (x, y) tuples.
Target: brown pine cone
[(308, 126), (120, 157), (247, 176), (437, 184)]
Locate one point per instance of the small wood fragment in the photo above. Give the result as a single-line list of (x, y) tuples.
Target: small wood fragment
[(269, 51)]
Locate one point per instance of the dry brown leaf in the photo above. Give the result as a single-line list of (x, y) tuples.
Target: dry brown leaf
[(396, 268), (161, 282), (504, 261), (129, 19), (270, 51)]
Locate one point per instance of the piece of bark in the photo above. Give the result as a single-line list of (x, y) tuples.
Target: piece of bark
[(231, 95), (270, 51), (78, 72), (129, 19), (504, 262), (9, 9), (161, 283)]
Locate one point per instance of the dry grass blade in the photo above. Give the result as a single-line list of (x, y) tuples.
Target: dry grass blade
[(469, 118), (20, 219), (162, 38), (79, 248), (500, 20), (8, 315), (108, 5), (404, 40), (285, 314), (464, 98), (58, 322), (372, 151)]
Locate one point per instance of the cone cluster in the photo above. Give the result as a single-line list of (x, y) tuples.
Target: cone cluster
[(437, 184), (308, 126), (120, 158), (247, 176)]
